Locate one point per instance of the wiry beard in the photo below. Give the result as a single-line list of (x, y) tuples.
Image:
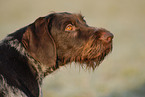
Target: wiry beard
[(91, 54)]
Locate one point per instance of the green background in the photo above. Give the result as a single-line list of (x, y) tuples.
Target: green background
[(121, 74)]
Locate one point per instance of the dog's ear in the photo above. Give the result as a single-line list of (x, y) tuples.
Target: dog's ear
[(39, 43)]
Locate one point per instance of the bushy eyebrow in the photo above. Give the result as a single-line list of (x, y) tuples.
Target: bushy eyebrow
[(80, 16), (63, 22), (64, 19)]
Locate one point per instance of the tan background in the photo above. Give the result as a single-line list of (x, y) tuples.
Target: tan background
[(122, 73)]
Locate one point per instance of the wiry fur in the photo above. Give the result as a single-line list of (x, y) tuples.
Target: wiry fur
[(31, 53)]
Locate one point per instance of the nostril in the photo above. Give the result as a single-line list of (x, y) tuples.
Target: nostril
[(109, 39), (106, 36)]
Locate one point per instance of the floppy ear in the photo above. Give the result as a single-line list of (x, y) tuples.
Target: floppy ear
[(39, 43)]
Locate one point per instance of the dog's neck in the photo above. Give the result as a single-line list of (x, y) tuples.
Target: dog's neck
[(38, 69), (20, 74)]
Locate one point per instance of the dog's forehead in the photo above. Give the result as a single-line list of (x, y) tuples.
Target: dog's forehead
[(71, 16), (65, 14)]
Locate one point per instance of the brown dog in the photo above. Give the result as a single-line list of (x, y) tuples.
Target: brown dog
[(33, 52)]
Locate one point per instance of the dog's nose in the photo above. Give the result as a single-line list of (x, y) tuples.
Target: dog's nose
[(106, 36)]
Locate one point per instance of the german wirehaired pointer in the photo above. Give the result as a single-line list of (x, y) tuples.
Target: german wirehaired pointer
[(31, 53)]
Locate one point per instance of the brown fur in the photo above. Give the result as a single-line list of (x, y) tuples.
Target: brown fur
[(33, 52), (82, 45)]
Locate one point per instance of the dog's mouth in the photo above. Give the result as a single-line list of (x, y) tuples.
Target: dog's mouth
[(90, 55), (95, 54), (96, 60)]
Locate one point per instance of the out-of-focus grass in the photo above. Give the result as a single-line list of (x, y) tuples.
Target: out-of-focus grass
[(120, 75)]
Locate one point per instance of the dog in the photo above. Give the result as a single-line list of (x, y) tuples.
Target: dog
[(31, 53)]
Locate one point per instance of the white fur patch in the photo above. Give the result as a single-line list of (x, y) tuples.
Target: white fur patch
[(10, 91), (13, 92)]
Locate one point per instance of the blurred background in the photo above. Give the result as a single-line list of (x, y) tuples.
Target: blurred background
[(121, 74)]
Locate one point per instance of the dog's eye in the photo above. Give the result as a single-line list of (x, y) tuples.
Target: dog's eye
[(69, 27)]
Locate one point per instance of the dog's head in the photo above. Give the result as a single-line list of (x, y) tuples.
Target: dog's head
[(60, 38)]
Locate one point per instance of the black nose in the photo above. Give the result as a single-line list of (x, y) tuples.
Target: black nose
[(106, 36)]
